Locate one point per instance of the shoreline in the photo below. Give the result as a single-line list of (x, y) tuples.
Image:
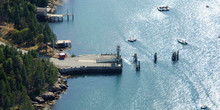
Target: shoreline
[(53, 5), (46, 100)]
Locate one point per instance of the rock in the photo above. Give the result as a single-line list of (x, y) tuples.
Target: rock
[(65, 82), (40, 100), (62, 86), (34, 102), (38, 106), (55, 88), (48, 96), (59, 80)]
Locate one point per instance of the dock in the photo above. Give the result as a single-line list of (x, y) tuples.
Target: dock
[(44, 14), (89, 64), (58, 17)]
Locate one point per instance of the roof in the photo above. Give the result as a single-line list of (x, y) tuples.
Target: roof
[(61, 54), (63, 41), (41, 11)]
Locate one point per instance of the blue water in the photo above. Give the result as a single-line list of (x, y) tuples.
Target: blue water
[(100, 25)]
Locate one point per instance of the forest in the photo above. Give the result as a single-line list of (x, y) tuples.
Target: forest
[(23, 77), (28, 31)]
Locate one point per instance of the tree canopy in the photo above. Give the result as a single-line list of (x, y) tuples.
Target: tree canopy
[(22, 14), (23, 77)]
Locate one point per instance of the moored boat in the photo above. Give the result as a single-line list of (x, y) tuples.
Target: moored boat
[(204, 107), (163, 8), (182, 41), (131, 40)]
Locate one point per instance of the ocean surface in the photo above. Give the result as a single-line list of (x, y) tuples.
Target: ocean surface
[(100, 25)]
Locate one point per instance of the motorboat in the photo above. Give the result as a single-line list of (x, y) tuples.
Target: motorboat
[(182, 41), (131, 40), (204, 107), (163, 8)]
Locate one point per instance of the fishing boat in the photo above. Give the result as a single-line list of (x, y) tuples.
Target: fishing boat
[(182, 41), (163, 8), (131, 40)]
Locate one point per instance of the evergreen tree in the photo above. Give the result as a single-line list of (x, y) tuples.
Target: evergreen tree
[(2, 56)]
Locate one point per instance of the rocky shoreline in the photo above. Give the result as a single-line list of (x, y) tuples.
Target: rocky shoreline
[(46, 100), (53, 5)]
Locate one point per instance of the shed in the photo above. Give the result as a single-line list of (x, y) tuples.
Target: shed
[(41, 11), (63, 44)]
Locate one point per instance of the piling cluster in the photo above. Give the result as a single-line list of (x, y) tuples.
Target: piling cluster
[(137, 63), (175, 56)]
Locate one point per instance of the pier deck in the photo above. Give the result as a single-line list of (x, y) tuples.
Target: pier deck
[(88, 64)]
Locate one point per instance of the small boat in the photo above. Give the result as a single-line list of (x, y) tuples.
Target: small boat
[(182, 41), (204, 107), (163, 8), (131, 40)]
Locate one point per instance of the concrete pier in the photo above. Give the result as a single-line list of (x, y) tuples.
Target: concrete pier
[(89, 64)]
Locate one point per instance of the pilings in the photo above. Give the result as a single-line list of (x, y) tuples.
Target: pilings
[(58, 17), (137, 63), (138, 66), (155, 58), (135, 58), (175, 56)]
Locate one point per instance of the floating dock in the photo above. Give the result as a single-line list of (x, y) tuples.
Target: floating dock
[(89, 64)]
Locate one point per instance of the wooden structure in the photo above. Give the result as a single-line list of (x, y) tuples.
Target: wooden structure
[(63, 44), (41, 13), (44, 13), (138, 66), (155, 58)]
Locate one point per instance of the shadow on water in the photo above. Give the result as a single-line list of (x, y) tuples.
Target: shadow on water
[(94, 75)]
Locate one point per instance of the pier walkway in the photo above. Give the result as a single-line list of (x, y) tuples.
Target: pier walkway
[(58, 17)]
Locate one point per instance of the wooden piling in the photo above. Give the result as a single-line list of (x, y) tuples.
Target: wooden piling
[(155, 58)]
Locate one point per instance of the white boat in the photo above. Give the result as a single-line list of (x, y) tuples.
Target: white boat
[(163, 8), (131, 40), (204, 107), (182, 41)]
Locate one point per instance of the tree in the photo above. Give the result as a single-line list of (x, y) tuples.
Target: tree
[(49, 36), (17, 18), (2, 56)]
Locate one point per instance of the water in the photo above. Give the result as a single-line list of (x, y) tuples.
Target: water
[(100, 25)]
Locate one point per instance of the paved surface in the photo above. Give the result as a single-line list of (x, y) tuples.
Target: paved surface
[(85, 60), (23, 51)]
